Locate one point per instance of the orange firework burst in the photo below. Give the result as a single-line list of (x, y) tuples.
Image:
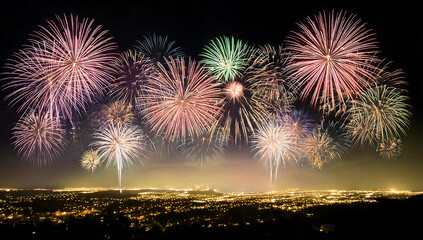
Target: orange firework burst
[(118, 112), (234, 91)]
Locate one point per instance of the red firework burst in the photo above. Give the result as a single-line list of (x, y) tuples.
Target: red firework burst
[(66, 66), (333, 56), (182, 100)]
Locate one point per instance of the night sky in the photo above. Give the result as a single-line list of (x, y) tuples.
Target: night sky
[(399, 31)]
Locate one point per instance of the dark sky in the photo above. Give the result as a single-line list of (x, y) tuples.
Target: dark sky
[(397, 24)]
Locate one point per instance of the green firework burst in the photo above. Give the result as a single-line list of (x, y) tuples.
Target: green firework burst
[(226, 57)]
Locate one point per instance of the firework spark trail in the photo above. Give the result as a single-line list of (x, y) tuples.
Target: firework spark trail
[(274, 145), (339, 134), (299, 123), (33, 83), (333, 56), (38, 138), (159, 48), (319, 149), (132, 72), (242, 111), (389, 149), (225, 57), (379, 114), (90, 160), (119, 112), (268, 78), (206, 148), (326, 143), (119, 144), (66, 59), (162, 148), (182, 100), (382, 76)]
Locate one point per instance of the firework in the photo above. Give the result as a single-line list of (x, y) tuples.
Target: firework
[(32, 83), (234, 91), (390, 148), (120, 145), (158, 48), (119, 112), (182, 100), (38, 138), (207, 147), (382, 76), (319, 149), (242, 110), (268, 78), (132, 71), (332, 59), (299, 123), (90, 160), (81, 133), (162, 148), (66, 66), (339, 135), (360, 130), (325, 144), (274, 146), (226, 57), (379, 114)]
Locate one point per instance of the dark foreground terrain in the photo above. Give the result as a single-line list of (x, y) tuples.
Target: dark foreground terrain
[(210, 215)]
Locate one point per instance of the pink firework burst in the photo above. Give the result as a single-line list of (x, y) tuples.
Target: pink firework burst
[(333, 56), (182, 100), (38, 138), (66, 66)]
